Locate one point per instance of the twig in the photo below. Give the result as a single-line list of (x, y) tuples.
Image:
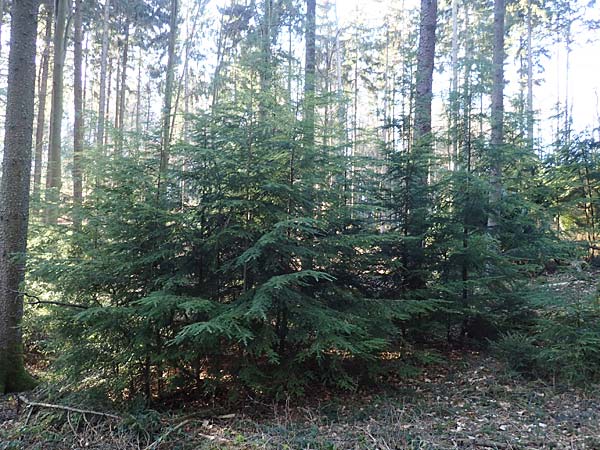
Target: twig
[(39, 301), (68, 408), (163, 436)]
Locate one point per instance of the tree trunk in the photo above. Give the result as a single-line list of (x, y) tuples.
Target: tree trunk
[(54, 174), (530, 141), (424, 78), (497, 114), (103, 66), (121, 115), (1, 17), (14, 192), (42, 93), (418, 201), (164, 153), (78, 108), (309, 81)]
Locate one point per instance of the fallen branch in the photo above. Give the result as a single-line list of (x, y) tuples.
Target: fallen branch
[(31, 404)]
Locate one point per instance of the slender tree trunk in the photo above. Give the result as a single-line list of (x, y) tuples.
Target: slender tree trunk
[(14, 192), (1, 18), (122, 97), (454, 93), (103, 67), (54, 174), (497, 114), (166, 119), (309, 82), (530, 121), (42, 93), (78, 108), (138, 104)]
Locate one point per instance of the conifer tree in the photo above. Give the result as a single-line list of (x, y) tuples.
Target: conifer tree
[(14, 192)]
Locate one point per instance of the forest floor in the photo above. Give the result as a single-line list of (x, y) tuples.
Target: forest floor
[(472, 404), (469, 402)]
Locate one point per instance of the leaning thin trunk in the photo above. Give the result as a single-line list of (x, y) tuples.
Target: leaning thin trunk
[(14, 192)]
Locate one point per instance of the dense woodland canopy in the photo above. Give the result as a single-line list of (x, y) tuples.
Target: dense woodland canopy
[(256, 195)]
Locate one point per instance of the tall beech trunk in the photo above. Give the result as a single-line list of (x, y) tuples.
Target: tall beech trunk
[(168, 100), (497, 115), (78, 108), (54, 173), (103, 67), (42, 94), (14, 192)]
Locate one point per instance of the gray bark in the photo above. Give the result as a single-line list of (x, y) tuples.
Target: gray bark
[(54, 173), (424, 76), (78, 108), (42, 93), (103, 65), (309, 76), (497, 114), (14, 191), (164, 154)]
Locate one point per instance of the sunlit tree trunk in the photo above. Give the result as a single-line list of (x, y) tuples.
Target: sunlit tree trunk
[(14, 192)]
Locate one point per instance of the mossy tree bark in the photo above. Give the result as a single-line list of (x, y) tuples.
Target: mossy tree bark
[(14, 192)]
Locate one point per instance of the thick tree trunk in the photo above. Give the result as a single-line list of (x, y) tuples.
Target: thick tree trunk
[(103, 66), (166, 119), (78, 108), (418, 201), (54, 174), (14, 192), (42, 93), (424, 77), (497, 114)]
